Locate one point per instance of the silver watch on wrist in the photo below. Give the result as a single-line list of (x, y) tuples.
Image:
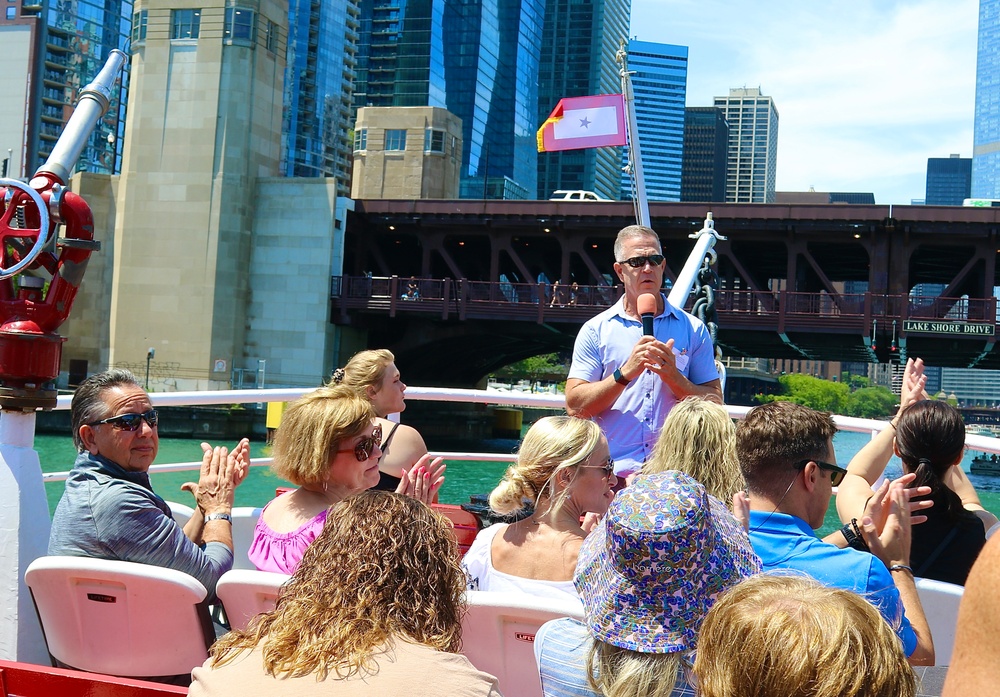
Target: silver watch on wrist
[(219, 516)]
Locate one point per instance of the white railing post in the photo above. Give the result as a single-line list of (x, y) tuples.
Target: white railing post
[(24, 536)]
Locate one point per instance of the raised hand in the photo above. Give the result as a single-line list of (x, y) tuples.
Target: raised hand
[(877, 507), (913, 387), (892, 543), (423, 480), (216, 488), (240, 456)]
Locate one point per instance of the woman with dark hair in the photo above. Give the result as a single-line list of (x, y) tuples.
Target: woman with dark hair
[(374, 608), (929, 437)]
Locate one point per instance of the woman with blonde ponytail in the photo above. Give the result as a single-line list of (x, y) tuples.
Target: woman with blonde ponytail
[(405, 466), (564, 470)]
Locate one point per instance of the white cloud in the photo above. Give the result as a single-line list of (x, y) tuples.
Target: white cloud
[(866, 91)]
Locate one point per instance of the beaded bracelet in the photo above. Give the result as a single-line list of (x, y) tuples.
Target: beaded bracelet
[(852, 533)]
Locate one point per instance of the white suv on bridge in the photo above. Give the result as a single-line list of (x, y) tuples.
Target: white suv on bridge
[(575, 195)]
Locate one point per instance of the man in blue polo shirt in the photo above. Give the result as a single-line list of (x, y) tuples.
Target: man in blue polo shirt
[(629, 382), (786, 455)]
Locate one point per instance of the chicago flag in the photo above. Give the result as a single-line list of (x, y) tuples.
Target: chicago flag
[(584, 122)]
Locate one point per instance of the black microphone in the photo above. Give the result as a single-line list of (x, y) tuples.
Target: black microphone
[(646, 305)]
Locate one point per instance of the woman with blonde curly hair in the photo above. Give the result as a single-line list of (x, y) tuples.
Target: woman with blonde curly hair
[(564, 469), (328, 446), (375, 608), (791, 635), (699, 439), (374, 376)]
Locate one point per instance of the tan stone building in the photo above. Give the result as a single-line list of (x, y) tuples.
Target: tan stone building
[(209, 257), (406, 153)]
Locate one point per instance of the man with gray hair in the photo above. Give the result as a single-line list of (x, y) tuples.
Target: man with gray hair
[(627, 381), (109, 510)]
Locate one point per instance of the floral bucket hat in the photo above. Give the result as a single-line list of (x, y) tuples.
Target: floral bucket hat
[(652, 568)]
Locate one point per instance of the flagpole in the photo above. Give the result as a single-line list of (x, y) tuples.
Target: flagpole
[(634, 166)]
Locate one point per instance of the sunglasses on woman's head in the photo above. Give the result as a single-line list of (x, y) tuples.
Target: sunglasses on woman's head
[(129, 422), (364, 447)]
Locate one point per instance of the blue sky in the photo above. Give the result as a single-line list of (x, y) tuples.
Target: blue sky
[(866, 90)]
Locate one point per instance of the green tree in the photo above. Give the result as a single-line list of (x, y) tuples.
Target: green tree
[(547, 367), (871, 402), (855, 382), (815, 393)]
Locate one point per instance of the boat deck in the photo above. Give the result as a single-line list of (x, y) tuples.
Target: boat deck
[(931, 680)]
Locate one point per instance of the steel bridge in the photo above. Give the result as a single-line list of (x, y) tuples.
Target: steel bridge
[(824, 282)]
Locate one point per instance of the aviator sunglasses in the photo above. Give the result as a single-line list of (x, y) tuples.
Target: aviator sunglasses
[(129, 422), (363, 450), (837, 473), (608, 467), (639, 262)]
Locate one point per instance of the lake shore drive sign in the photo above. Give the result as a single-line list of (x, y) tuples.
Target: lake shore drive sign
[(911, 326)]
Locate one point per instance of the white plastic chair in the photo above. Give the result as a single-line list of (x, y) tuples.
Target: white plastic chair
[(120, 618), (940, 602), (245, 593), (182, 513), (244, 522), (498, 635)]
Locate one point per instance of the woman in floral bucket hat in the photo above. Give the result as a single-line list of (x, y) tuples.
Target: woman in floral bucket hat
[(647, 575)]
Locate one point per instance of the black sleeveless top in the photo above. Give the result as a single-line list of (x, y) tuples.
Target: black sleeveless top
[(386, 482), (945, 550)]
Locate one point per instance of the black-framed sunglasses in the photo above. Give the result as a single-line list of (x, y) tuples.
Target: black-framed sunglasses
[(837, 473), (639, 262), (364, 447), (129, 422), (608, 467)]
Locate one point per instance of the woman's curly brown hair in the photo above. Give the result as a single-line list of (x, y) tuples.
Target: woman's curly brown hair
[(384, 568)]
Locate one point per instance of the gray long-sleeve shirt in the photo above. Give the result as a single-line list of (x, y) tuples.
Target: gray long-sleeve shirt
[(110, 513)]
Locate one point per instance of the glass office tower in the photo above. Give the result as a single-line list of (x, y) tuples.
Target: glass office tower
[(71, 41), (659, 84), (579, 43), (986, 128), (317, 118), (706, 146), (949, 180), (476, 58), (753, 145)]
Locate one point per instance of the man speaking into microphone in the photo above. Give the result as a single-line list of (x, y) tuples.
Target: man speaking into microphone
[(635, 360)]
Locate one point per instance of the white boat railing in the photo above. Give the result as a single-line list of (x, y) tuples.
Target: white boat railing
[(443, 394)]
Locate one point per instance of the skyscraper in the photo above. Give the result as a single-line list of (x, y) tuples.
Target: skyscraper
[(949, 180), (63, 44), (659, 86), (579, 44), (753, 145), (319, 80), (986, 128), (706, 151), (476, 58)]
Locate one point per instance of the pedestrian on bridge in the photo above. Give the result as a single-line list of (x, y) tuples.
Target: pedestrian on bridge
[(626, 380)]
